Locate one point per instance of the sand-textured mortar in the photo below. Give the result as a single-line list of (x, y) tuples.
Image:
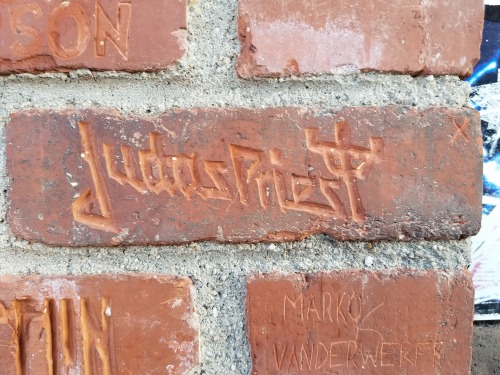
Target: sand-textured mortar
[(219, 273), (206, 77)]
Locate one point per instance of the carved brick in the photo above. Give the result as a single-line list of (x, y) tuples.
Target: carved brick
[(93, 177), (359, 322), (293, 37), (93, 325), (38, 36)]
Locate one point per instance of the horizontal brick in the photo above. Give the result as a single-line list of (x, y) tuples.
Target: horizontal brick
[(39, 35), (359, 322), (244, 175), (295, 37), (97, 325)]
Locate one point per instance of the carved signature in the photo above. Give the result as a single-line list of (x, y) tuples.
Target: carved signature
[(177, 173)]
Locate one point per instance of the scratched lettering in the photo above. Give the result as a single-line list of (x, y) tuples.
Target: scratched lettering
[(350, 354), (255, 171), (343, 307), (53, 323), (119, 34), (97, 338), (82, 206), (60, 14), (235, 175), (108, 29), (97, 325), (346, 308), (347, 162), (35, 44), (359, 322)]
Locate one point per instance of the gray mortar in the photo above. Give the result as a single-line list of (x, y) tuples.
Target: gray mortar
[(206, 78), (219, 271)]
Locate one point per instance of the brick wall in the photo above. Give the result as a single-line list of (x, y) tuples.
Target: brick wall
[(224, 187)]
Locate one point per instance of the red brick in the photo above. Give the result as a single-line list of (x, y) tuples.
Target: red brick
[(413, 174), (359, 322), (319, 36), (39, 35), (97, 325)]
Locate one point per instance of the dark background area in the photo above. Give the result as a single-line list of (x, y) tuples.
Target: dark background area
[(486, 338)]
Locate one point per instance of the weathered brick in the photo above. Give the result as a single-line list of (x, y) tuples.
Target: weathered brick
[(93, 177), (93, 325), (38, 35), (318, 36), (360, 322)]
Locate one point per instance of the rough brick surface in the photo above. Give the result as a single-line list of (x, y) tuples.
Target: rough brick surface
[(38, 35), (97, 325), (359, 322), (244, 175), (405, 36)]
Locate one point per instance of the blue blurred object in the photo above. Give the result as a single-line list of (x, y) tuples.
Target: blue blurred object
[(492, 176), (486, 70), (487, 208), (486, 99)]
